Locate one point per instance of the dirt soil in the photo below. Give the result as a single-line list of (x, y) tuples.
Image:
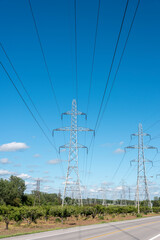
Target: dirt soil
[(55, 223)]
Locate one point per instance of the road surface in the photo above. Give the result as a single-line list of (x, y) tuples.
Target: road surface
[(139, 229)]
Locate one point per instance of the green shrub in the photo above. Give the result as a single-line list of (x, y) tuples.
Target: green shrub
[(101, 217), (57, 220)]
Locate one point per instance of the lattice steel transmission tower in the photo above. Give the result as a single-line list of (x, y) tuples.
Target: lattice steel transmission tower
[(72, 184), (104, 193), (142, 192), (123, 194), (37, 192)]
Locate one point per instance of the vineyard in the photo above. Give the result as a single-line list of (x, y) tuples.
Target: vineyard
[(60, 214), (22, 213)]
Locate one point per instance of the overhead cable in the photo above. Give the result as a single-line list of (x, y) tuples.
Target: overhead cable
[(93, 57), (30, 111), (22, 84), (113, 58), (120, 60), (44, 58)]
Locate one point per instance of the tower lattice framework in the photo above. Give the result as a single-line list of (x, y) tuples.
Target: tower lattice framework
[(37, 192), (72, 184), (142, 191)]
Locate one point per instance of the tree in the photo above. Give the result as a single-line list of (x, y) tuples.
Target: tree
[(12, 191), (7, 214)]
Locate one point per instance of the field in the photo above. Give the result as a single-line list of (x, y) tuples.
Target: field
[(50, 218)]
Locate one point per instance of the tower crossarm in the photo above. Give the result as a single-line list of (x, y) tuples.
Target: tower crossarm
[(134, 160), (151, 147), (132, 147), (143, 134), (148, 161), (71, 113), (78, 146), (78, 129)]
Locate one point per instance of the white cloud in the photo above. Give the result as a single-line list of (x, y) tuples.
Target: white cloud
[(93, 190), (13, 147), (121, 143), (119, 188), (24, 176), (5, 172), (4, 161), (54, 161), (118, 151), (30, 183), (36, 155)]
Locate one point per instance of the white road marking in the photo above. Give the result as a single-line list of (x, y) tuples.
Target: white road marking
[(155, 237)]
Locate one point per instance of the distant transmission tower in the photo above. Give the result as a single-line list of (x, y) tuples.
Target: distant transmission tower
[(129, 193), (104, 192), (123, 194), (72, 184), (142, 192), (37, 192)]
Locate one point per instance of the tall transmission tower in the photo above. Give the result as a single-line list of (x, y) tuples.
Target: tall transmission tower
[(72, 184), (37, 192), (129, 193), (104, 192), (142, 192), (123, 194)]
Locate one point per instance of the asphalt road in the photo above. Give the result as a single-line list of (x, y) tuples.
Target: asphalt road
[(139, 229)]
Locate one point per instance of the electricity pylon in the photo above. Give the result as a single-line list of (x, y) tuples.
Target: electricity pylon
[(129, 193), (37, 192), (142, 192), (104, 192), (123, 194), (72, 183)]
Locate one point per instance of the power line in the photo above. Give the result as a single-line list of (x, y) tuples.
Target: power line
[(44, 58), (45, 62), (75, 28), (27, 105), (108, 78), (91, 77), (119, 165), (24, 87), (89, 169), (30, 111), (115, 78), (94, 50), (152, 125), (120, 60)]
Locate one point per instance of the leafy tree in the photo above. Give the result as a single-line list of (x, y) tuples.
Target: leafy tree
[(12, 191), (156, 203), (7, 214), (27, 200)]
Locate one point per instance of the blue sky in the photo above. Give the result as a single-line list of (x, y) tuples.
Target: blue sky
[(135, 97)]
